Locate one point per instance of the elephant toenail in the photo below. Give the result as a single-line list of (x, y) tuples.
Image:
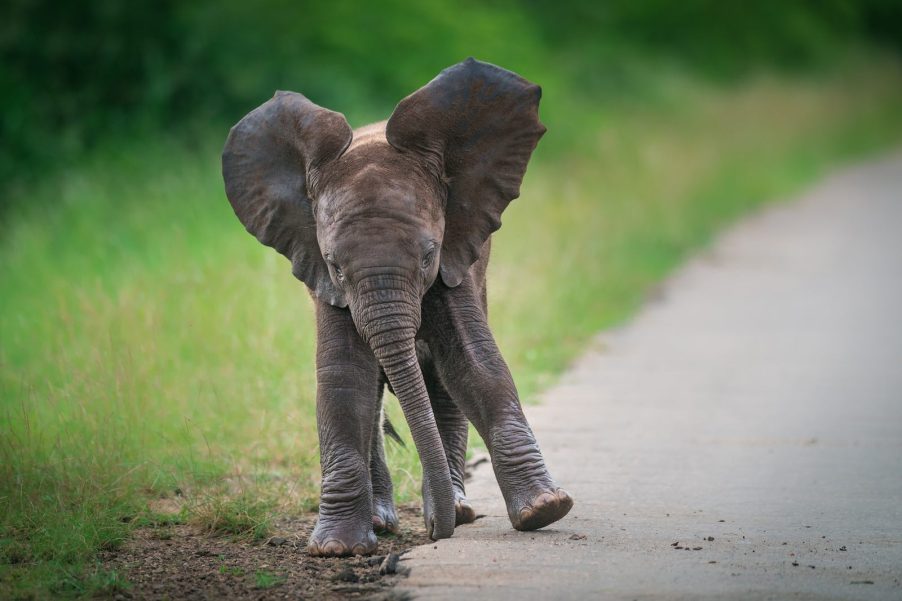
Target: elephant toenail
[(334, 547), (359, 549)]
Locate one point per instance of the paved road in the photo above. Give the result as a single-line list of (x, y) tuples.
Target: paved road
[(753, 410)]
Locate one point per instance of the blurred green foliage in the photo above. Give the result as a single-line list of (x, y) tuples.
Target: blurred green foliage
[(73, 74)]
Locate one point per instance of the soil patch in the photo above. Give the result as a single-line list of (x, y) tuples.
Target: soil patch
[(179, 562)]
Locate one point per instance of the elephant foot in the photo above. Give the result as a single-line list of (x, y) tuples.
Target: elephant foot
[(463, 511), (533, 500), (340, 539), (545, 508), (385, 519)]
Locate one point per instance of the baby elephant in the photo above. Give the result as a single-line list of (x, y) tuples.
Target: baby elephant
[(389, 226)]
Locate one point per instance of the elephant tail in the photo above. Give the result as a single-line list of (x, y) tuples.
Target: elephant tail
[(389, 430)]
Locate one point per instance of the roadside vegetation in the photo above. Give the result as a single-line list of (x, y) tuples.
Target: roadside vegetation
[(156, 363)]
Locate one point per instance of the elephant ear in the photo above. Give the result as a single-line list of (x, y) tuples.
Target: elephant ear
[(269, 161), (478, 124)]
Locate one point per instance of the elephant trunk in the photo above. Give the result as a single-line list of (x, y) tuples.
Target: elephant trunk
[(388, 319)]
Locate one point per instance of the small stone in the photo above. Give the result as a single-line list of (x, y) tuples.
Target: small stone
[(374, 560), (795, 564), (696, 548), (346, 575), (389, 565), (843, 548), (710, 538), (577, 537), (276, 541)]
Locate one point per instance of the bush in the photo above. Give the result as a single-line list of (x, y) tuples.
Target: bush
[(74, 72)]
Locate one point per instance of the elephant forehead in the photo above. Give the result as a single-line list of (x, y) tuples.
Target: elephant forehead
[(375, 181), (374, 191), (376, 240), (377, 200)]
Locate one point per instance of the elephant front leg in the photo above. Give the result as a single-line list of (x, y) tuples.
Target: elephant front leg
[(473, 371), (385, 518), (347, 380)]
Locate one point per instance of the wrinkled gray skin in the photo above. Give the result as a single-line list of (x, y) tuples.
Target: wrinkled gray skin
[(389, 227)]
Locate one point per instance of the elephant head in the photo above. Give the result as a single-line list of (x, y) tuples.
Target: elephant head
[(369, 219)]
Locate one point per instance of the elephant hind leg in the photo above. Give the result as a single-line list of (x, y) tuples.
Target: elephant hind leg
[(453, 429), (385, 518)]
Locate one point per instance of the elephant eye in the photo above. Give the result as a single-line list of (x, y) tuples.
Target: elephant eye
[(427, 260), (338, 273)]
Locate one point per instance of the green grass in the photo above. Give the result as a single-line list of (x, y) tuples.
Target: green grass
[(264, 579), (218, 512), (152, 351), (231, 570)]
